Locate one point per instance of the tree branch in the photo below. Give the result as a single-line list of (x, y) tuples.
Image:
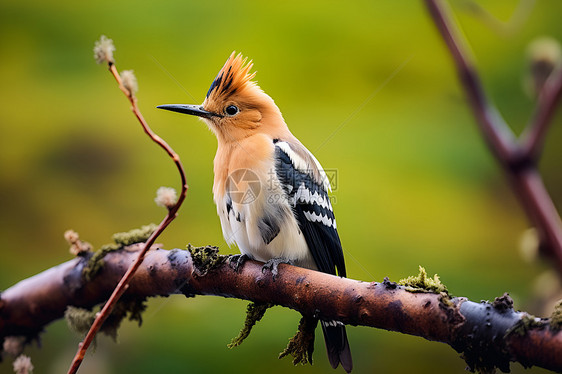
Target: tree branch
[(488, 334), (496, 132), (104, 53), (519, 162), (549, 98)]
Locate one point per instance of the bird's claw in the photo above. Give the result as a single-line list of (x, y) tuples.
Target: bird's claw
[(236, 261), (273, 265)]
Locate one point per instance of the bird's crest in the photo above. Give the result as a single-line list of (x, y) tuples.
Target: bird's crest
[(234, 76)]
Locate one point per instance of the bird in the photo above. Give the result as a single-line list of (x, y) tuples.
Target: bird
[(271, 193)]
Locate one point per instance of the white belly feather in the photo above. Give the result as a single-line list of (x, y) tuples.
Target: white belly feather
[(240, 223)]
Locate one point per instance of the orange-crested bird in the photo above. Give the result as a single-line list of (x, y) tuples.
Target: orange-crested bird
[(271, 193)]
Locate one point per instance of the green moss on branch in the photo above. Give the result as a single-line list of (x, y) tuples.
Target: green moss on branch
[(205, 258), (120, 240), (254, 314), (422, 283), (301, 346), (556, 317)]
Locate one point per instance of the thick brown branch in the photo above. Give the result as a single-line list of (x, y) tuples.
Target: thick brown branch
[(487, 334), (517, 161)]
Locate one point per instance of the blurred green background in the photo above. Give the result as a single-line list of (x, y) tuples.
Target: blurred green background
[(367, 86)]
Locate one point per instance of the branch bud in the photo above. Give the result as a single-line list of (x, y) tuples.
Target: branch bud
[(130, 81), (13, 345), (77, 246), (23, 365), (166, 197), (103, 50), (529, 244), (543, 57)]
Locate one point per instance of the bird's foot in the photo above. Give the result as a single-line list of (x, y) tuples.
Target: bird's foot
[(236, 261), (273, 265)]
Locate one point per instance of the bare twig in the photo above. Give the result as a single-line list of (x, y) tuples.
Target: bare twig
[(518, 161), (549, 98), (488, 334), (172, 213), (496, 132), (513, 25)]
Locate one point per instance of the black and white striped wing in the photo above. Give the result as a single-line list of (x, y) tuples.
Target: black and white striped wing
[(308, 196)]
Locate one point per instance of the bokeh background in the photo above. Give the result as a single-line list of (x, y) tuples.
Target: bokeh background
[(367, 86)]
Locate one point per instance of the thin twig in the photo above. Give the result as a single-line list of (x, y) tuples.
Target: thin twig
[(516, 160), (496, 132), (504, 28), (533, 137), (172, 213)]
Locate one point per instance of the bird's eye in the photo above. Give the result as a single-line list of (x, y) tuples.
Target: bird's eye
[(231, 110)]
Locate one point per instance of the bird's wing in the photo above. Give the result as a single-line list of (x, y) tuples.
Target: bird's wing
[(306, 184)]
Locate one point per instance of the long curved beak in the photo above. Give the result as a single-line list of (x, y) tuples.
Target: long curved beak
[(194, 110)]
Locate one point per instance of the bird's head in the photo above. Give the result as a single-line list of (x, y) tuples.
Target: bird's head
[(235, 106)]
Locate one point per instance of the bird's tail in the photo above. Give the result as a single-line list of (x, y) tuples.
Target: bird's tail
[(337, 345)]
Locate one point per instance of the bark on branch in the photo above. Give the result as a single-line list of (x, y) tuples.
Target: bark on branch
[(488, 334)]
